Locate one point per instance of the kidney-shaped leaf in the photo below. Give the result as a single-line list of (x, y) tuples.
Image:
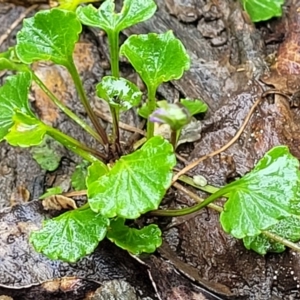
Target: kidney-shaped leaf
[(13, 95), (133, 12), (136, 183), (134, 240), (156, 57), (119, 92), (26, 131), (71, 235), (50, 35), (262, 197)]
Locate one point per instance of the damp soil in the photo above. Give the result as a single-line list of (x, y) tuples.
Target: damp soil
[(232, 65)]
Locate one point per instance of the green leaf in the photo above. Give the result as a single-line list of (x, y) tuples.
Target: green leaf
[(119, 92), (79, 176), (49, 35), (71, 235), (136, 183), (287, 228), (13, 95), (261, 244), (134, 240), (57, 190), (262, 197), (157, 58), (261, 10), (9, 61), (194, 106), (48, 154), (6, 64), (133, 12), (144, 111), (26, 131), (95, 171), (72, 4)]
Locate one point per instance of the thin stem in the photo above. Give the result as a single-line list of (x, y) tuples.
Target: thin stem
[(151, 105), (188, 210), (79, 87), (196, 197), (65, 109), (207, 188), (173, 138), (139, 143), (218, 208), (113, 40), (84, 151), (116, 131)]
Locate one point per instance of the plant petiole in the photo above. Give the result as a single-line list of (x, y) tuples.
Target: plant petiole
[(173, 138), (113, 39), (151, 105), (116, 131), (84, 151), (207, 188), (79, 87), (188, 210), (219, 209), (65, 109)]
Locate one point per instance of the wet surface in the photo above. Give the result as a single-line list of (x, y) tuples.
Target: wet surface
[(202, 262), (21, 266)]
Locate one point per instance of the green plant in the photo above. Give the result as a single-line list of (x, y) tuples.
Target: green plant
[(123, 187), (262, 10)]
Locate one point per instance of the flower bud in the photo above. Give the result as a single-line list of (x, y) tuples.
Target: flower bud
[(175, 115)]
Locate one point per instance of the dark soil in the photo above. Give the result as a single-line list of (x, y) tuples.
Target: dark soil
[(230, 70)]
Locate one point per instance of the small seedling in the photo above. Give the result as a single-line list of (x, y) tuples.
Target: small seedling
[(123, 187)]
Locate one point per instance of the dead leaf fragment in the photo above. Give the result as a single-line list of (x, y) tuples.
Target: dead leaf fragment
[(58, 202)]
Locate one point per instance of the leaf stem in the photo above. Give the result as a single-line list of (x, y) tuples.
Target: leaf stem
[(218, 208), (188, 210), (116, 132), (72, 144), (113, 41), (151, 105), (195, 197), (79, 87), (65, 109), (173, 138), (207, 188)]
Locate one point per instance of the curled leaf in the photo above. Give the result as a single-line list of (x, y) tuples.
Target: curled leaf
[(119, 92), (12, 99), (134, 240)]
